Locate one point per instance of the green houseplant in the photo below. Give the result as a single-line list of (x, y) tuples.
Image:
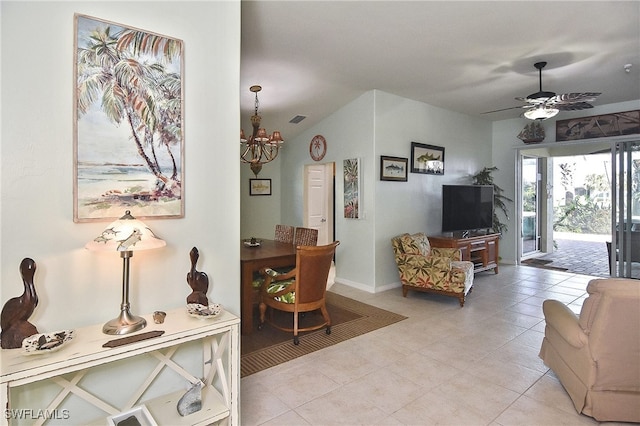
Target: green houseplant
[(485, 177)]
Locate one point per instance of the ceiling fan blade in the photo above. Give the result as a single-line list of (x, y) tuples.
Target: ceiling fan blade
[(573, 107), (573, 98), (505, 109), (531, 101)]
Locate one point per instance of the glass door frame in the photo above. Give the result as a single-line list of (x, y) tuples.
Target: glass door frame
[(538, 205)]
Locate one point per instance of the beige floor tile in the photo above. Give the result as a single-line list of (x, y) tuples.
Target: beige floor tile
[(553, 294), (550, 392), (302, 385), (479, 395), (259, 405), (383, 389), (476, 365), (517, 353), (340, 408), (423, 370), (507, 374), (344, 363), (525, 309), (527, 411), (290, 418)]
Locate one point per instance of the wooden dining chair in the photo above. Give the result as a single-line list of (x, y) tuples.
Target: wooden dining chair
[(284, 233), (306, 237), (300, 290)]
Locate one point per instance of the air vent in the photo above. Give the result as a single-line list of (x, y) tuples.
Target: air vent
[(297, 119)]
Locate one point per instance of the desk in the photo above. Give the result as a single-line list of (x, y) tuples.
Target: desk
[(269, 254)]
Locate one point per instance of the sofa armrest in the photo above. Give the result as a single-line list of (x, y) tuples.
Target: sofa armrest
[(451, 253), (565, 322)]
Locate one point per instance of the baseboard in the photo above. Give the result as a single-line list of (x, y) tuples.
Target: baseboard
[(367, 288)]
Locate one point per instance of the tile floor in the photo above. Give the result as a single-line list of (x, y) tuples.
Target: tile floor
[(443, 365)]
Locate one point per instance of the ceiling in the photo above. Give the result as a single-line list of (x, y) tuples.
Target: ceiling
[(311, 58)]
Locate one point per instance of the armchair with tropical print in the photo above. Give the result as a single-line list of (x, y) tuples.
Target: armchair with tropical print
[(431, 269)]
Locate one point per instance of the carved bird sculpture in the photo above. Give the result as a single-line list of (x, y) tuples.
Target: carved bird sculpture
[(198, 281), (16, 312)]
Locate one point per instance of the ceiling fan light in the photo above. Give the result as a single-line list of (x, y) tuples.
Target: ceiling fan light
[(541, 113)]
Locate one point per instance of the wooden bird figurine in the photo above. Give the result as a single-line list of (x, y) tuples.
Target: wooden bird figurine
[(198, 281), (16, 312)]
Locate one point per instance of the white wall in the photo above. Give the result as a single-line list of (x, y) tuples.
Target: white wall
[(260, 213), (349, 134), (378, 123), (415, 206), (77, 287)]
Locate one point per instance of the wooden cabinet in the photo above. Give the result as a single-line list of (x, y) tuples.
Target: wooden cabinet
[(218, 337), (482, 250)]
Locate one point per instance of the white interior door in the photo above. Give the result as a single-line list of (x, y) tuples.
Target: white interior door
[(318, 200)]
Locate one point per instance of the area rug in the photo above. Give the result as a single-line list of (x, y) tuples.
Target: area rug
[(269, 347)]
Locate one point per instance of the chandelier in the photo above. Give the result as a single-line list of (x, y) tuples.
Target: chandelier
[(260, 148)]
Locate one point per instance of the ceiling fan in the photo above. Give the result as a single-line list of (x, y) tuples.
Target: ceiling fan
[(542, 105)]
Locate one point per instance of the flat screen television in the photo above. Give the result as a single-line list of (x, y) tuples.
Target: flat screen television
[(467, 208)]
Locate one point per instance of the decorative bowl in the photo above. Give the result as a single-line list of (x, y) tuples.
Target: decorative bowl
[(197, 310), (252, 243), (46, 342)]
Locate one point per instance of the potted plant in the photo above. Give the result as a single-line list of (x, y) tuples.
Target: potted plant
[(485, 177)]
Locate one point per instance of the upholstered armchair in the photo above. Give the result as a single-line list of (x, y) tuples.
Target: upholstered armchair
[(596, 356), (431, 269)]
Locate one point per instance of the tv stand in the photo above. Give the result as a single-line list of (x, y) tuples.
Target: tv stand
[(481, 249)]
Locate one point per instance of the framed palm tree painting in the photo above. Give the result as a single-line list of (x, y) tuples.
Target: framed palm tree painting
[(351, 174), (128, 122)]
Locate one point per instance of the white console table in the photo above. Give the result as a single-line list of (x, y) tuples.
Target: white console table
[(221, 370)]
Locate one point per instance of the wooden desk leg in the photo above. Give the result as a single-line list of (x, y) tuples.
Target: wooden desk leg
[(246, 296)]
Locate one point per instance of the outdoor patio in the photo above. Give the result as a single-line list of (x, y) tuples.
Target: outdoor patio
[(582, 254)]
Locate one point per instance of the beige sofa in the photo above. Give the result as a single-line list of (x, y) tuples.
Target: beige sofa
[(596, 356)]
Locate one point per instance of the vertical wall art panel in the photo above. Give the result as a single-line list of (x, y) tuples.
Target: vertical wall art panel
[(128, 123), (352, 188)]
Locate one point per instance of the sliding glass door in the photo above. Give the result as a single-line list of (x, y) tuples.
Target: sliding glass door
[(624, 249)]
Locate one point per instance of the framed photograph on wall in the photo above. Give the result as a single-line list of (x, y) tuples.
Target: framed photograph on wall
[(393, 168), (351, 175), (427, 159), (259, 186), (128, 122)]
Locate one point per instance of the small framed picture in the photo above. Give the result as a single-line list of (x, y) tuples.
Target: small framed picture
[(393, 168), (427, 159), (259, 186)]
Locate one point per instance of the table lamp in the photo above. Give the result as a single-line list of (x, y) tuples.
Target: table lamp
[(125, 235)]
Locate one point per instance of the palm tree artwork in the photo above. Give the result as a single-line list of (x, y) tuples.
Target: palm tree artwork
[(128, 137), (351, 188)]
